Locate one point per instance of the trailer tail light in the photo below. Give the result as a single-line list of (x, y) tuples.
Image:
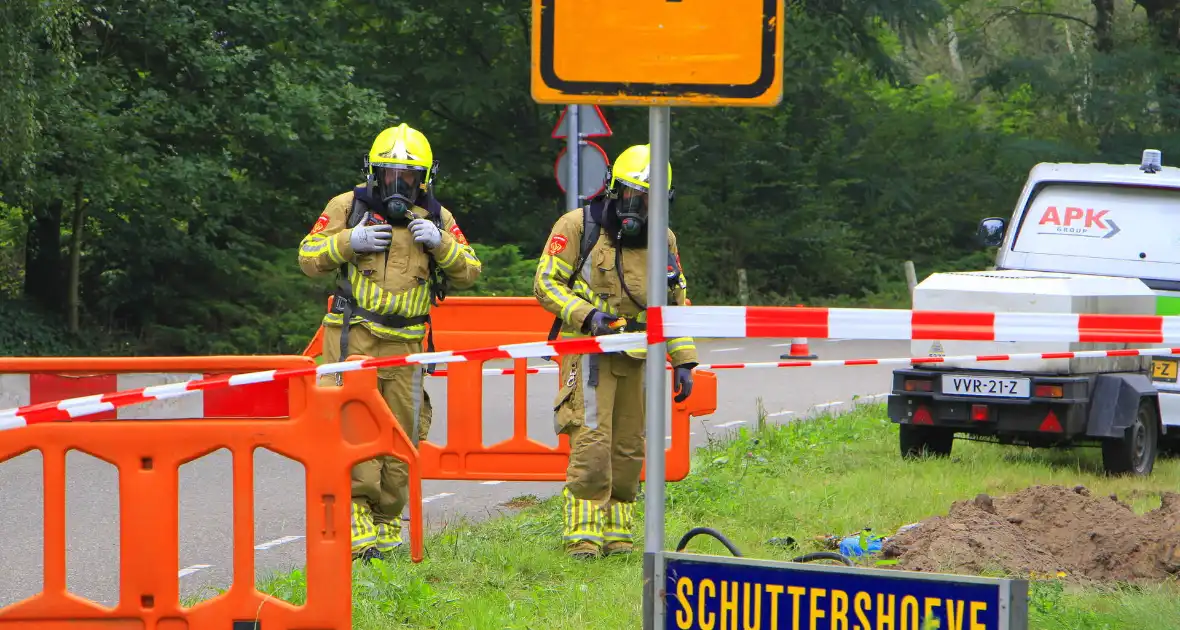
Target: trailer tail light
[(922, 416), (1050, 423), (979, 413), (1048, 391), (918, 385)]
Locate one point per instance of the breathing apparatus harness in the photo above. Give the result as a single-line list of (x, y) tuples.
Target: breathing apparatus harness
[(372, 197)]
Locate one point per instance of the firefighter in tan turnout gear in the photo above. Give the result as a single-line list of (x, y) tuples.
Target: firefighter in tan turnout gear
[(592, 276), (394, 249)]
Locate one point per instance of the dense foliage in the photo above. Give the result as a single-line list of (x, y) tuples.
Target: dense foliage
[(161, 161)]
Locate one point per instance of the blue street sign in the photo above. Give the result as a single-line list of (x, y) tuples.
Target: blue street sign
[(720, 593)]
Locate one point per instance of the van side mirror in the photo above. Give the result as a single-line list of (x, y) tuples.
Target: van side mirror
[(991, 231)]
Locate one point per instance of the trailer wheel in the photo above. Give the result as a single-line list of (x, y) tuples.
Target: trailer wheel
[(1134, 453), (916, 441)]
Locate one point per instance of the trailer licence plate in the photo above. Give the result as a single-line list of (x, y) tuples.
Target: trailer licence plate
[(991, 386), (1163, 369)]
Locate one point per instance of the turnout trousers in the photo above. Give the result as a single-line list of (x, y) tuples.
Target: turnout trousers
[(380, 487), (600, 406)]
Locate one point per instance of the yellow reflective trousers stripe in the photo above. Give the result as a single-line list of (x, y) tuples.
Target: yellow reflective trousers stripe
[(582, 519), (364, 532), (389, 536), (620, 519)]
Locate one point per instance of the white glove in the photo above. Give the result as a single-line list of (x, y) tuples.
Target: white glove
[(370, 238), (426, 233)]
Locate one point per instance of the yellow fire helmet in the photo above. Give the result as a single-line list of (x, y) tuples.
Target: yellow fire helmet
[(633, 169), (400, 148)]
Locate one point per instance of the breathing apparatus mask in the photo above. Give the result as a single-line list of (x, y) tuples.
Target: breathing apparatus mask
[(396, 188), (632, 211), (630, 205)]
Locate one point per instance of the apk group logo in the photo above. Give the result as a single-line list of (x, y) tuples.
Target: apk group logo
[(1083, 222)]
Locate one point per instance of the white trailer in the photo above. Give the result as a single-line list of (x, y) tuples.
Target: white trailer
[(1083, 238)]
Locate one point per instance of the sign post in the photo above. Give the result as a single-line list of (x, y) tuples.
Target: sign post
[(654, 373), (679, 52)]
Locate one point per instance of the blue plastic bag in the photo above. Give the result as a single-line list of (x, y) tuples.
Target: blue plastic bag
[(851, 547)]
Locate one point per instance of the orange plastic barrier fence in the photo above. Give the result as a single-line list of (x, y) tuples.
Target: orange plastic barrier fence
[(478, 322), (327, 429)]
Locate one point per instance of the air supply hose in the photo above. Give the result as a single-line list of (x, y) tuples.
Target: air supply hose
[(696, 531), (807, 557), (824, 555)]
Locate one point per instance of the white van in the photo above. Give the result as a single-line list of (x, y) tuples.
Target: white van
[(1083, 238)]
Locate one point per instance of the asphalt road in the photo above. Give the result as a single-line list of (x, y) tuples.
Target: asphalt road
[(205, 495)]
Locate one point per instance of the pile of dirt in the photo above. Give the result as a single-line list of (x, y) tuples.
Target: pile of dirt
[(1045, 530)]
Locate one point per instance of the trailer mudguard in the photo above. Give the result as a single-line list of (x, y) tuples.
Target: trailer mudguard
[(1115, 402)]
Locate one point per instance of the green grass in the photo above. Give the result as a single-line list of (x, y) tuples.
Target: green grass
[(833, 475)]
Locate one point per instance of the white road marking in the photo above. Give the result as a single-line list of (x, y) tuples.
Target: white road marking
[(276, 542), (441, 495), (270, 544), (189, 570), (780, 345), (489, 483), (724, 425), (726, 349), (776, 414)]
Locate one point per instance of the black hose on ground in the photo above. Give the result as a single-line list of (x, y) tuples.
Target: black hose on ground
[(824, 555), (807, 557), (696, 531)]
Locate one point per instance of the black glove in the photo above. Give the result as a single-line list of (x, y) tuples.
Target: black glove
[(682, 381), (598, 323)]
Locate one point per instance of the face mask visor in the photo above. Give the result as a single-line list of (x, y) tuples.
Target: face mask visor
[(398, 187), (632, 209)]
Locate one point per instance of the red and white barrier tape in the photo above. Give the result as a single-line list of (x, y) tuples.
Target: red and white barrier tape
[(966, 358), (899, 324), (717, 322), (74, 408)]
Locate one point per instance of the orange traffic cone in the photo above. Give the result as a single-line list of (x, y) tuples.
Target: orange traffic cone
[(799, 351)]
